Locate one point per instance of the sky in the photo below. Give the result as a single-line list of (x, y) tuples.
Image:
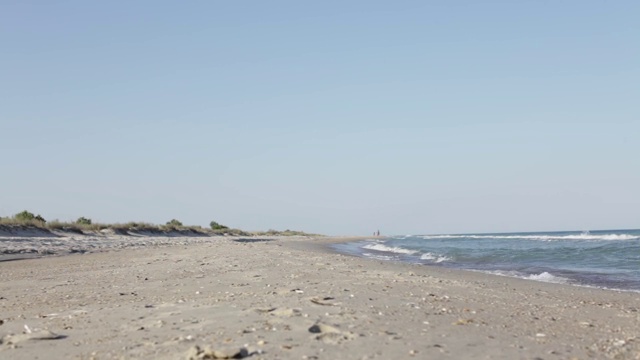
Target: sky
[(332, 117)]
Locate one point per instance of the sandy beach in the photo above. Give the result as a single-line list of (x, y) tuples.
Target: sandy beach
[(292, 298)]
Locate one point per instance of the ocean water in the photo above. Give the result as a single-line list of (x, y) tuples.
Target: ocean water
[(606, 258)]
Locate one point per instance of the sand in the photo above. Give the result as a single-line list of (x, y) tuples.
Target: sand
[(291, 298)]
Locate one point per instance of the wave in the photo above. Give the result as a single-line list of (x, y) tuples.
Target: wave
[(391, 249), (583, 236), (378, 256), (543, 276), (546, 277), (434, 257)]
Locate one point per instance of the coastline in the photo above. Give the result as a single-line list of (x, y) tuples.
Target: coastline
[(296, 298), (604, 259)]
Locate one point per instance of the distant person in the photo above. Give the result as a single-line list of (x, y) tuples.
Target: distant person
[(378, 233)]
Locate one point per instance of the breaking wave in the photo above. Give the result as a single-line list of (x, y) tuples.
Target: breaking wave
[(434, 257), (389, 249), (543, 276)]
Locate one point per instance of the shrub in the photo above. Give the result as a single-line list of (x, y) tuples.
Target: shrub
[(215, 226), (26, 216), (174, 223), (83, 221)]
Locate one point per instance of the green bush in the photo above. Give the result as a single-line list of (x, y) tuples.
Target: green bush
[(215, 226), (26, 216), (174, 223), (83, 221)]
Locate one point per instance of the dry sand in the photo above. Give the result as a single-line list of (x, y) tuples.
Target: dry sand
[(290, 298)]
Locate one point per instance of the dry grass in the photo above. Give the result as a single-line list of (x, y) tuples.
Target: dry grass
[(69, 226), (12, 221)]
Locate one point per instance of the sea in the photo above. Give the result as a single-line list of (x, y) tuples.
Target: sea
[(608, 259)]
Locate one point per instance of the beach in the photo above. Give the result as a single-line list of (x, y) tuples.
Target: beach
[(292, 298)]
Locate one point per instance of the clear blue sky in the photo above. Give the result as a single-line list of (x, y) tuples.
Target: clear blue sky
[(331, 116)]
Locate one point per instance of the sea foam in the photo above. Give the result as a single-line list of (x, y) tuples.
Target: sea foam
[(543, 276), (546, 277), (390, 249), (378, 256), (434, 257)]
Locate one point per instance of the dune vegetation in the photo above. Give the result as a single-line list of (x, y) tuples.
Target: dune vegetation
[(84, 225)]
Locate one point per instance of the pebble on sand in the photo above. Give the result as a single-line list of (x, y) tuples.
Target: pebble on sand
[(197, 353)]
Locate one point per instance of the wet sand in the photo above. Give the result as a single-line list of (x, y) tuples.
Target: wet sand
[(291, 298)]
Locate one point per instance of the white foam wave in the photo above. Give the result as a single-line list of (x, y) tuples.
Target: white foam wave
[(378, 256), (583, 236), (546, 277), (435, 258), (391, 249), (543, 276)]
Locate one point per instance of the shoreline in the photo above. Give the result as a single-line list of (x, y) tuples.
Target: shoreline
[(295, 298), (396, 253), (325, 246), (329, 248)]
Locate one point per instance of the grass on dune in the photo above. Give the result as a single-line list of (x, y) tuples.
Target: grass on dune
[(86, 225)]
